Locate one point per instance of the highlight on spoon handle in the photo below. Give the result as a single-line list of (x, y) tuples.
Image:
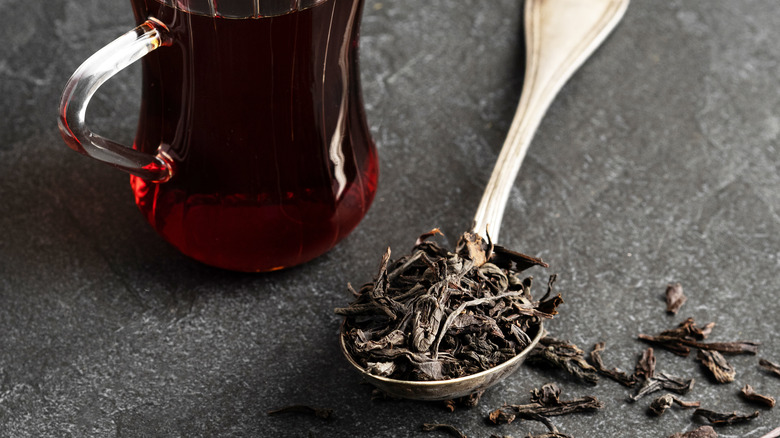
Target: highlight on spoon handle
[(560, 36)]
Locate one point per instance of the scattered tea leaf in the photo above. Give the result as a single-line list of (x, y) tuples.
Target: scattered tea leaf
[(730, 348), (663, 381), (650, 381), (468, 401), (687, 335), (613, 373), (686, 404), (717, 365), (545, 402), (664, 402), (645, 366), (671, 343), (689, 329), (565, 356), (701, 432), (501, 416), (682, 346), (770, 366), (554, 434), (661, 404), (752, 396), (675, 298), (725, 419), (446, 428)]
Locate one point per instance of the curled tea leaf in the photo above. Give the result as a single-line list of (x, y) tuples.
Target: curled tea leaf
[(613, 373), (689, 329), (663, 381), (545, 402), (565, 356), (749, 394), (664, 402), (725, 419), (675, 298), (682, 346), (770, 366), (701, 432), (717, 365)]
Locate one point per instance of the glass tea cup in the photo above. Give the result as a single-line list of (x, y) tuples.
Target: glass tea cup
[(252, 151)]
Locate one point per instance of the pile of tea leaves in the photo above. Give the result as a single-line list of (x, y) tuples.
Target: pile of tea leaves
[(436, 314)]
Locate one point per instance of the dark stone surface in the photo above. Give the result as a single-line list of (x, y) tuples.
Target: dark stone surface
[(658, 162)]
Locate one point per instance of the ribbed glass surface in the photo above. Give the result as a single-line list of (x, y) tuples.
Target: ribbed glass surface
[(241, 8)]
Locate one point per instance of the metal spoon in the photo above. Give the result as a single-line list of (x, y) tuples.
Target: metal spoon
[(560, 35)]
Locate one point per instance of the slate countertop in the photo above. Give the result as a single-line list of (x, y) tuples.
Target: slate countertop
[(657, 163)]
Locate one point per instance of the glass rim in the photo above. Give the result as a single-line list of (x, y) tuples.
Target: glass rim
[(241, 8)]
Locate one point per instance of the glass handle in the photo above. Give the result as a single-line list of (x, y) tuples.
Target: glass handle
[(80, 88)]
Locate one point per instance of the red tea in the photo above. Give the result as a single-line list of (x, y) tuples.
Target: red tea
[(263, 118)]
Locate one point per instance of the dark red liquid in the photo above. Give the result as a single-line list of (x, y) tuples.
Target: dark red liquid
[(248, 110)]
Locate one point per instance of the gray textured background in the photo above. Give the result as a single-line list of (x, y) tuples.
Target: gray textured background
[(658, 162)]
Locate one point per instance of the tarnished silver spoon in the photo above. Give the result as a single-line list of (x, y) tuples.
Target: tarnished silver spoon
[(560, 35)]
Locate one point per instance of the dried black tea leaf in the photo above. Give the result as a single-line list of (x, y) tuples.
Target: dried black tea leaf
[(730, 348), (686, 404), (613, 373), (752, 396), (549, 395), (687, 335), (551, 434), (446, 428), (651, 381), (661, 404), (645, 366), (325, 414), (563, 355), (675, 297), (663, 381), (689, 329), (671, 343), (682, 346), (664, 402), (717, 365), (500, 416), (530, 410), (545, 402), (770, 366), (701, 432), (725, 419), (645, 375), (436, 314), (468, 401)]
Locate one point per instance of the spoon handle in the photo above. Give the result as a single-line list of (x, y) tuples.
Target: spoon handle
[(560, 35)]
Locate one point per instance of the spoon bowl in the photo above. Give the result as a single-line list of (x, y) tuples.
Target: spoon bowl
[(439, 390)]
